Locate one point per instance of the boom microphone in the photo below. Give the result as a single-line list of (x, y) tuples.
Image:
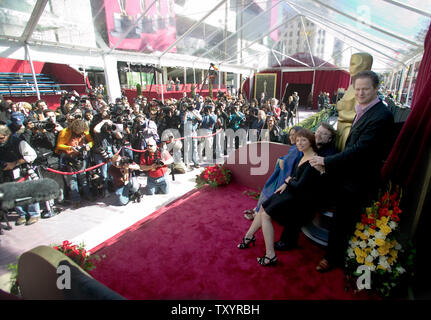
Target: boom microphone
[(14, 194)]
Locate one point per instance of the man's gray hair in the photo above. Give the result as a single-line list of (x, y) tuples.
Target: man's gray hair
[(4, 130)]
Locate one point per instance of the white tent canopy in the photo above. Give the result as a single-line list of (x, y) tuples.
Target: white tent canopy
[(239, 36)]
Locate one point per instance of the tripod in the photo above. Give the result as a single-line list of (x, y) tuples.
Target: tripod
[(211, 69)]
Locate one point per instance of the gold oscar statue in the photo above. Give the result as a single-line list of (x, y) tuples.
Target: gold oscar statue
[(346, 105)]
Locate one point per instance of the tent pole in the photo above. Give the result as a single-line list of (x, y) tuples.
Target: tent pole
[(27, 49), (392, 80), (312, 87), (411, 80), (161, 83), (281, 86)]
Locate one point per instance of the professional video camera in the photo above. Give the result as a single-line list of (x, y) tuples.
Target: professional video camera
[(47, 125)]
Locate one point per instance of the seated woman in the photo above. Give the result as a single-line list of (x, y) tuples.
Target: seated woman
[(283, 169), (290, 203)]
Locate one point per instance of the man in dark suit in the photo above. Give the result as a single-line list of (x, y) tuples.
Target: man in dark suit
[(355, 171)]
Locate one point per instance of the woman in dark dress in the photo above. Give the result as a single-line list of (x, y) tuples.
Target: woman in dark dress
[(289, 204)]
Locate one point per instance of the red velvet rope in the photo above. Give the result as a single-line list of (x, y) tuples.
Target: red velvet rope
[(101, 164)]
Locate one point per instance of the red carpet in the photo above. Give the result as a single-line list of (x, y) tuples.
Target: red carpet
[(187, 250)]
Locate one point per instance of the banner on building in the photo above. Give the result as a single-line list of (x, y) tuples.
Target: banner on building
[(155, 31)]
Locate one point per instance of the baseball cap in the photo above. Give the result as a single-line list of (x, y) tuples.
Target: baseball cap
[(151, 142), (17, 118)]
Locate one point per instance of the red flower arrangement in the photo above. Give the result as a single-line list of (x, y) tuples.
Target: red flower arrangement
[(213, 176), (376, 244), (78, 254), (388, 206)]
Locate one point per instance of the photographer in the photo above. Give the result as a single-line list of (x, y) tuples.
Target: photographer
[(103, 150), (73, 115), (36, 114), (191, 119), (155, 162), (235, 120), (136, 111), (170, 119), (4, 111), (283, 122), (43, 138), (222, 118), (68, 102), (73, 145), (143, 129), (17, 123), (42, 135), (236, 117), (209, 120), (126, 186), (15, 152)]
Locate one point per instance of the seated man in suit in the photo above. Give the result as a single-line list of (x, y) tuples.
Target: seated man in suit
[(355, 172)]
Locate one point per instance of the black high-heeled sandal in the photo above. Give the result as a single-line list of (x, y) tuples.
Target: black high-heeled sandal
[(265, 261), (246, 242)]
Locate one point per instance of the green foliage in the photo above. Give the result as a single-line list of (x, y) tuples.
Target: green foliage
[(314, 121), (138, 90), (252, 194), (193, 91), (14, 287), (213, 176)]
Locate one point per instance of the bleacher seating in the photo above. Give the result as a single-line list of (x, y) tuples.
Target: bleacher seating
[(22, 84)]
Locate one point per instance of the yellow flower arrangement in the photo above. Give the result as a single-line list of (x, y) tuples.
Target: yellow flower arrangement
[(374, 244)]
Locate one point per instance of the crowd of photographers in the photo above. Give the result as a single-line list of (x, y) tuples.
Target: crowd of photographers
[(103, 147)]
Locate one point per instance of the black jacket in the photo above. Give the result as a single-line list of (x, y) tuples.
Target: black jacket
[(358, 166)]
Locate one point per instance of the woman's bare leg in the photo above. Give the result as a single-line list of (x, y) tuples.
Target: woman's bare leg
[(268, 233), (255, 225)]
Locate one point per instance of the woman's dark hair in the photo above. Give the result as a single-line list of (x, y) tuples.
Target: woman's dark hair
[(265, 125), (309, 135), (296, 128), (331, 129), (287, 138)]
